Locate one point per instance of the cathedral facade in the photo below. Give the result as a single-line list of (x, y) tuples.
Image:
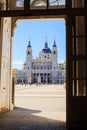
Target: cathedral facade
[(43, 69)]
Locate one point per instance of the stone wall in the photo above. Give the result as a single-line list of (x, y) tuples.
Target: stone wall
[(5, 63)]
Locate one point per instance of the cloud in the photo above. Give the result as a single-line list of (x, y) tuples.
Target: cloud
[(17, 62), (61, 61)]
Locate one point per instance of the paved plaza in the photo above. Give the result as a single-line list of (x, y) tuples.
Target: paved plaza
[(41, 107)]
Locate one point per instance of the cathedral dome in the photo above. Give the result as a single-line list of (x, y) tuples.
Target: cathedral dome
[(46, 49)]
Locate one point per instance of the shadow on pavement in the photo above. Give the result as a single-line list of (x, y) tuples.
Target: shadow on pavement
[(25, 111), (22, 119)]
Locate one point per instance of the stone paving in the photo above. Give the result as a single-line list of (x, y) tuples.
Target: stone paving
[(36, 108)]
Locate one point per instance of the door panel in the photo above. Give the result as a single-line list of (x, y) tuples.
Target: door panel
[(76, 73)]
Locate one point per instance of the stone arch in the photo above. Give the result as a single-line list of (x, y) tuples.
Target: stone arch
[(74, 99)]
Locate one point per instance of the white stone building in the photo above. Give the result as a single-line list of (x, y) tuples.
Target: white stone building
[(44, 68)]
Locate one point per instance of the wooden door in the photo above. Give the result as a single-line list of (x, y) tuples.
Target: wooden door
[(76, 89)]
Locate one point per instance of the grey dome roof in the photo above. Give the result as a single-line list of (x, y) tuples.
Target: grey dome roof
[(46, 49)]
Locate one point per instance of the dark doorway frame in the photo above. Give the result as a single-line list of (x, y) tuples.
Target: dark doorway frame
[(69, 13)]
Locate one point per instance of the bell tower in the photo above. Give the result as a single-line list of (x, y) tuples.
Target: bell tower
[(54, 56), (54, 62), (29, 52), (54, 51), (28, 56)]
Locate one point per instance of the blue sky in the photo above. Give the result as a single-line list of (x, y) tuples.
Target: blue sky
[(37, 31)]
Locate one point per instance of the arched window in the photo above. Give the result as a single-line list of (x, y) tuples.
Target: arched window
[(28, 53), (54, 52)]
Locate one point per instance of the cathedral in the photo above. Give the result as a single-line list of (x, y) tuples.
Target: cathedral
[(73, 12), (43, 69)]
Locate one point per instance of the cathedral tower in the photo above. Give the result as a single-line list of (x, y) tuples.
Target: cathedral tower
[(28, 56), (29, 51), (54, 51), (54, 56), (54, 63)]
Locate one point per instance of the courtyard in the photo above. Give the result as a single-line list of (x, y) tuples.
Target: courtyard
[(41, 107)]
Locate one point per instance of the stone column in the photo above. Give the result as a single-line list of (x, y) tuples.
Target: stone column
[(29, 80), (39, 79), (0, 57), (10, 87), (13, 89)]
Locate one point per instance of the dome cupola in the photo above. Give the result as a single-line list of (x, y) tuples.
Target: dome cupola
[(46, 49)]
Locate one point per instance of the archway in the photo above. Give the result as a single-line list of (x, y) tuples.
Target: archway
[(77, 83), (45, 73)]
